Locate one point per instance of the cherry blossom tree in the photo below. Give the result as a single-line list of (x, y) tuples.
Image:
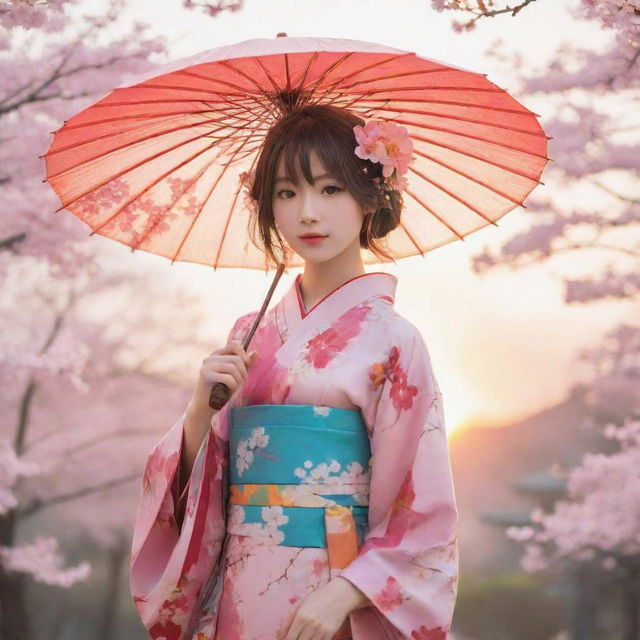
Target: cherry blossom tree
[(45, 79), (597, 526), (51, 356), (86, 409), (593, 533), (594, 128)]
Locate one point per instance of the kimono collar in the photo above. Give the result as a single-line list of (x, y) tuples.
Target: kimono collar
[(291, 311)]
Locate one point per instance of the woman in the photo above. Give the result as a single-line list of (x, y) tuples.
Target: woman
[(318, 502)]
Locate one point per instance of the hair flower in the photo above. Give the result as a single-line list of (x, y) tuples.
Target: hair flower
[(390, 145)]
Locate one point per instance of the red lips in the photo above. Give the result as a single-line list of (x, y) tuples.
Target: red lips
[(312, 239)]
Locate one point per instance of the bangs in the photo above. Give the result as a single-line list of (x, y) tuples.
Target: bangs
[(297, 148)]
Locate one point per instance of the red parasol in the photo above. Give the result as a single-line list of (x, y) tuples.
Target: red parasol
[(155, 164)]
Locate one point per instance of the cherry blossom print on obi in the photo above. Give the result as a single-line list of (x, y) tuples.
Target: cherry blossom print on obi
[(298, 456), (351, 351)]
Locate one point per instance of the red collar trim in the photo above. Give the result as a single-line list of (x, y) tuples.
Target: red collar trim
[(304, 312)]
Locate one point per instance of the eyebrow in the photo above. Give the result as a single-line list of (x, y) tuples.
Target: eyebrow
[(322, 175)]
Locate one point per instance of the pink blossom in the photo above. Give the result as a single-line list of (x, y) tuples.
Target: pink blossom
[(43, 561), (399, 147), (384, 142), (371, 147)]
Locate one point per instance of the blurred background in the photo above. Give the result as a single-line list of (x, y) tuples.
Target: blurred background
[(533, 325)]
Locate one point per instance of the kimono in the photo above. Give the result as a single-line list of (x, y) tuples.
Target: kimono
[(196, 574)]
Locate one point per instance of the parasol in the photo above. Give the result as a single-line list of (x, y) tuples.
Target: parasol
[(155, 164)]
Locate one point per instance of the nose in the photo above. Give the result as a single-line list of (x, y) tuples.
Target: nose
[(307, 210)]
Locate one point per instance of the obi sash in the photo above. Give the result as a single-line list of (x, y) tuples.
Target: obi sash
[(299, 476)]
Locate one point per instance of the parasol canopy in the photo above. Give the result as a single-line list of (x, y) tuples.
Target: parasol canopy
[(155, 164)]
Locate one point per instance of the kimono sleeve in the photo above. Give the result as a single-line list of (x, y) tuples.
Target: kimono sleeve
[(172, 560), (408, 563)]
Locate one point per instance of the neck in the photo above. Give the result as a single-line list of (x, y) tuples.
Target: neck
[(319, 279)]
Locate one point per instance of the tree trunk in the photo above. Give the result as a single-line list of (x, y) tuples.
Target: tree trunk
[(585, 605), (14, 623), (117, 556), (631, 607)]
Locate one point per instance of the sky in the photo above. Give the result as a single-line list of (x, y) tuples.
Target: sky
[(502, 345)]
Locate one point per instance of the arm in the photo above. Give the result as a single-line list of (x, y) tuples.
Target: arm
[(195, 427), (351, 595), (199, 417), (177, 548), (169, 565), (408, 564)]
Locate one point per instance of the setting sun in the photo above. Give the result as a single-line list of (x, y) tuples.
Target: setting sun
[(457, 412)]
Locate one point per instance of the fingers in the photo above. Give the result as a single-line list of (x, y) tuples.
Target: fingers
[(229, 364), (301, 631), (233, 352), (226, 372), (286, 623), (308, 621), (235, 346)]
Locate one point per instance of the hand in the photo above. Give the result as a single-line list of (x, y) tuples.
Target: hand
[(228, 364), (320, 614)]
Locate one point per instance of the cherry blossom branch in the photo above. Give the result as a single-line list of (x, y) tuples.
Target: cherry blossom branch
[(536, 258), (7, 243), (126, 432), (54, 75), (38, 505), (479, 11), (30, 389), (57, 74), (214, 8), (610, 191)]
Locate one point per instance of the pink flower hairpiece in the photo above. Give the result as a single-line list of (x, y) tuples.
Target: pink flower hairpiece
[(388, 144)]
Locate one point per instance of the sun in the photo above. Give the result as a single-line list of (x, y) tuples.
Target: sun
[(457, 412)]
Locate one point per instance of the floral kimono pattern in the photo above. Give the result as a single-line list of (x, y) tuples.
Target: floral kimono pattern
[(193, 573)]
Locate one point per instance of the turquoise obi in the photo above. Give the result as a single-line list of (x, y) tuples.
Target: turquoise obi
[(299, 475)]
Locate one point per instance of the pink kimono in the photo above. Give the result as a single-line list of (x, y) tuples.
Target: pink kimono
[(192, 578)]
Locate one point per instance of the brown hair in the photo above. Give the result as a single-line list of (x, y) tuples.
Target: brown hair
[(329, 131)]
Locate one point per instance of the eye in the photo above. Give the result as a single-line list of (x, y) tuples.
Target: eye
[(283, 191), (333, 186)]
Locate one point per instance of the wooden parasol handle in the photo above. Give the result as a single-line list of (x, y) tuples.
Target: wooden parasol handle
[(220, 393)]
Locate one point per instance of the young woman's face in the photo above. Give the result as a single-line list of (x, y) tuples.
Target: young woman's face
[(326, 208)]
